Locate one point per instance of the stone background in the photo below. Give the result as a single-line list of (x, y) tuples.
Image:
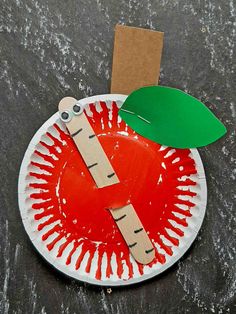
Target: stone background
[(49, 49)]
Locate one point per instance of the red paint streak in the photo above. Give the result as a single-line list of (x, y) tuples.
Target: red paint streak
[(68, 261), (150, 180), (109, 271), (51, 245), (119, 263), (80, 258), (91, 255)]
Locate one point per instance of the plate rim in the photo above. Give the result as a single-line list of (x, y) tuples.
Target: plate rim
[(74, 274)]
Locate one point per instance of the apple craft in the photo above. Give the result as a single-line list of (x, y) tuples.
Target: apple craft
[(111, 190)]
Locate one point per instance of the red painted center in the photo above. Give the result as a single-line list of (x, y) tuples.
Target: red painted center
[(85, 207)]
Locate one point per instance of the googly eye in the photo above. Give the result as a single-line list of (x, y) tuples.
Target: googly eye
[(77, 109), (65, 116)]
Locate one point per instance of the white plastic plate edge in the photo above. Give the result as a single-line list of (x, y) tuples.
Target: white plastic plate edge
[(65, 269)]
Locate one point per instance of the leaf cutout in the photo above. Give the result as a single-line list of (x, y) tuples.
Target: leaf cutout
[(171, 117)]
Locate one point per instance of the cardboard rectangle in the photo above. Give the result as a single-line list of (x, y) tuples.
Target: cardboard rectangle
[(136, 58)]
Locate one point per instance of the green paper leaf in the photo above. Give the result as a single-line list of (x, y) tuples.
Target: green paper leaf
[(171, 117)]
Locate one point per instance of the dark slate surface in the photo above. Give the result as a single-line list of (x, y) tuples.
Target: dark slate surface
[(49, 49)]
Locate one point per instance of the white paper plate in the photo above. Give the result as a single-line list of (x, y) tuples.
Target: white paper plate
[(113, 267)]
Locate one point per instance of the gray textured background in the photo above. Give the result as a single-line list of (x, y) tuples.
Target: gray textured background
[(49, 49)]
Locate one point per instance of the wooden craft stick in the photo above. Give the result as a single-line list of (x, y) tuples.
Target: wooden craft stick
[(134, 233), (104, 175)]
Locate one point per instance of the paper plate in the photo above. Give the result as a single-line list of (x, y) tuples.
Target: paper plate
[(65, 214)]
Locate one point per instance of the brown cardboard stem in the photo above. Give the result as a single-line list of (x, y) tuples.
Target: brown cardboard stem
[(104, 175), (136, 58)]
